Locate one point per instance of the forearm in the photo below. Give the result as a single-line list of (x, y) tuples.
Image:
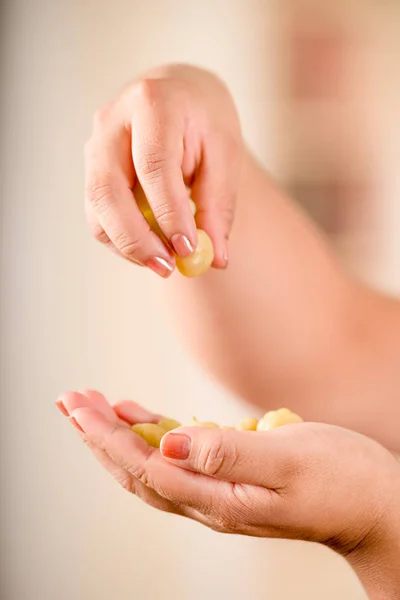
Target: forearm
[(285, 324)]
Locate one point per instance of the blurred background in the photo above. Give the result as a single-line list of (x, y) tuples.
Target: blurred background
[(317, 86)]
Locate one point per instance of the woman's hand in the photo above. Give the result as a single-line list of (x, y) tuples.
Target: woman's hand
[(305, 481), (175, 127)]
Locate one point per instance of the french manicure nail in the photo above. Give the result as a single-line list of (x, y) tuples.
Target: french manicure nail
[(160, 266), (176, 445), (61, 407), (75, 424), (182, 245)]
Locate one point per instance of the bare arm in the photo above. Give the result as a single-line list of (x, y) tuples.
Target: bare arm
[(284, 324)]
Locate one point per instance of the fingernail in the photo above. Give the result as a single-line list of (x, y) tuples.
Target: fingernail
[(160, 266), (62, 408), (75, 424), (182, 245), (176, 445)]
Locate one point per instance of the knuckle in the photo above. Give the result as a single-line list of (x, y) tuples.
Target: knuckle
[(102, 115), (99, 193), (127, 482), (111, 438), (146, 90), (217, 457), (152, 165), (142, 476), (164, 213), (99, 234), (126, 245), (227, 214), (225, 521), (216, 526), (139, 470)]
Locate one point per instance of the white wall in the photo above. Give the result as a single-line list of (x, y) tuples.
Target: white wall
[(72, 316)]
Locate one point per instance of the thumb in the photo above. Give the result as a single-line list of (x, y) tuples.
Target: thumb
[(258, 458)]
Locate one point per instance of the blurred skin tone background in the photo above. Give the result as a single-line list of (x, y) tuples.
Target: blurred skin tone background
[(318, 94)]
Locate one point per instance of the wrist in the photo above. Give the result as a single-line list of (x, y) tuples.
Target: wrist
[(376, 560)]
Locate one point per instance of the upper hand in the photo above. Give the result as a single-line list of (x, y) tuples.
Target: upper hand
[(307, 481), (175, 127)]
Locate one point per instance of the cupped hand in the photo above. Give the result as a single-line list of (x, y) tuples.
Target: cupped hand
[(302, 481), (176, 127)]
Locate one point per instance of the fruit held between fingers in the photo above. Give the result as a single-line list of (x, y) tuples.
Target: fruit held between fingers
[(201, 260)]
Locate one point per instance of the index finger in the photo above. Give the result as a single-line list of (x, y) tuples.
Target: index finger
[(109, 181)]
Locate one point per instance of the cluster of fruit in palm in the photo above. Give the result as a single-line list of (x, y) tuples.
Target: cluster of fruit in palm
[(152, 433)]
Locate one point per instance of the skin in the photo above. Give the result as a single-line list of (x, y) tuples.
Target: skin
[(321, 343), (130, 144), (293, 482)]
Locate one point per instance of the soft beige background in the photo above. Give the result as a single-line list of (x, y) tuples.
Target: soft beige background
[(73, 315)]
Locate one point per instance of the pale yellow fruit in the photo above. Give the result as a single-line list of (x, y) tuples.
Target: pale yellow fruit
[(197, 423), (228, 428), (150, 218), (277, 418), (201, 260), (150, 432), (248, 424), (169, 424), (146, 211)]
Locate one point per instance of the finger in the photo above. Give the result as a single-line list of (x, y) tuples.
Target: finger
[(133, 413), (158, 130), (90, 398), (109, 183), (70, 401), (132, 453), (100, 403), (133, 485), (126, 479), (145, 493), (100, 235), (214, 193), (258, 458), (95, 228)]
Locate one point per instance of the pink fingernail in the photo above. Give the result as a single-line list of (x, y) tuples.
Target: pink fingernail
[(160, 266), (61, 407), (176, 445), (182, 245), (75, 424)]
